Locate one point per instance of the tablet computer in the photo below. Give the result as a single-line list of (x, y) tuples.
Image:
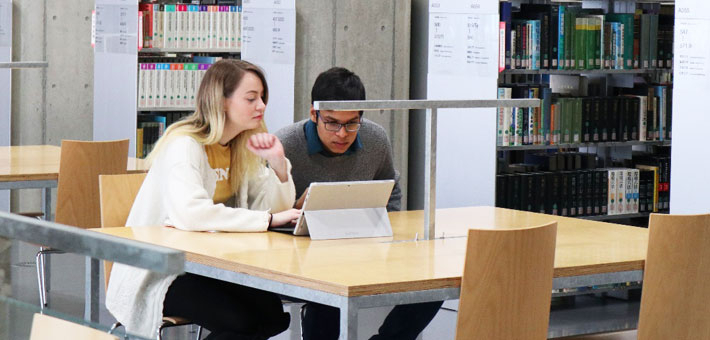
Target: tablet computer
[(346, 196)]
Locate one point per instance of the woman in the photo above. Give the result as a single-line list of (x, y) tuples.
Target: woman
[(201, 164)]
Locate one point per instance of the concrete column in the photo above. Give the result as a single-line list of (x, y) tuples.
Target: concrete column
[(371, 38)]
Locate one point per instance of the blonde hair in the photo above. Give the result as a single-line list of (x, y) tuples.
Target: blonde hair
[(206, 124)]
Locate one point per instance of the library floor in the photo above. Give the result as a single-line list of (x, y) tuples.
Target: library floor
[(582, 314)]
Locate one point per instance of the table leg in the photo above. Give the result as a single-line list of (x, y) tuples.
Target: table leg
[(47, 203), (91, 290), (348, 320)]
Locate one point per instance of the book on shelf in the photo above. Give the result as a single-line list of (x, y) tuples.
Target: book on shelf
[(639, 114), (151, 127), (580, 184), (190, 26), (569, 37), (171, 84)]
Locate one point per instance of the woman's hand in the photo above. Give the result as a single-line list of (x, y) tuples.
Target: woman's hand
[(285, 217), (269, 148)]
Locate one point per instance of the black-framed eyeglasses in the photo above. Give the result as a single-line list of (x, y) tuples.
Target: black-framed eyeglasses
[(335, 127)]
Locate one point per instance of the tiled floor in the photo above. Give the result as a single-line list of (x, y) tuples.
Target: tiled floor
[(587, 314)]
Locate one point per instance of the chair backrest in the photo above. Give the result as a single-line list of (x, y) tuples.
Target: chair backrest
[(506, 286), (45, 327), (675, 304), (117, 193), (80, 165)]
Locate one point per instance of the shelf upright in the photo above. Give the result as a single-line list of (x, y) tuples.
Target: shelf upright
[(115, 71)]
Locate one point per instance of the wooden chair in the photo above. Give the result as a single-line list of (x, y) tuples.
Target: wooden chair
[(45, 327), (674, 300), (117, 193), (80, 165), (506, 286)]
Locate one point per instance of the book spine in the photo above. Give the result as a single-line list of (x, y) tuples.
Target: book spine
[(653, 34), (579, 44), (553, 35), (643, 117), (546, 109), (577, 122), (561, 47), (501, 119), (544, 39)]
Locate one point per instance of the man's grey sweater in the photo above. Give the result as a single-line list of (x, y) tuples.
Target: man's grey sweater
[(372, 162)]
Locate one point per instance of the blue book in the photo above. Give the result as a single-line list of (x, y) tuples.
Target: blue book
[(561, 38), (660, 93), (536, 44)]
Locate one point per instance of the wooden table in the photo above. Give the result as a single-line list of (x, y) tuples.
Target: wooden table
[(363, 273), (37, 167)]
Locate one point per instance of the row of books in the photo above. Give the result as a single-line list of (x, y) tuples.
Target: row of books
[(150, 128), (645, 116), (169, 84), (595, 192), (189, 26), (553, 36)]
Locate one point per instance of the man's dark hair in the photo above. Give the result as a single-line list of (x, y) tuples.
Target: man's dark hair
[(337, 83)]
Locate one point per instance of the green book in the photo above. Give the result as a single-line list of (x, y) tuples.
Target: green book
[(570, 17), (577, 120), (566, 117), (580, 35)]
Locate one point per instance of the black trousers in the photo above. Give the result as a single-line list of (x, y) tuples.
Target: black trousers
[(404, 322), (227, 310)]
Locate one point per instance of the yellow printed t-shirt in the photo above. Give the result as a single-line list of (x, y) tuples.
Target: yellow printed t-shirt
[(219, 158)]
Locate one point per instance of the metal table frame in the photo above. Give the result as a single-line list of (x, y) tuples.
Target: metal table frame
[(350, 306), (431, 107), (46, 184)]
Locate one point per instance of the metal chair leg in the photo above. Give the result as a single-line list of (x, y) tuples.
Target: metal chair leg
[(114, 327), (39, 263)]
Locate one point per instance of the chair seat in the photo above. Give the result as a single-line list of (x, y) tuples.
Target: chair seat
[(176, 320), (623, 335), (34, 214)]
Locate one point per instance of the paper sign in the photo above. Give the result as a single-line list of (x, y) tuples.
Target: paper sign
[(116, 28), (5, 24)]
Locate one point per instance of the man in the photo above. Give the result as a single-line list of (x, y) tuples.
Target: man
[(343, 146)]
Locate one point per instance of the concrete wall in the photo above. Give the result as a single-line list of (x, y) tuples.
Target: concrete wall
[(371, 38), (55, 103)]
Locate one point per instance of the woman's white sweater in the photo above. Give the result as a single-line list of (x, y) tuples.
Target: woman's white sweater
[(178, 192)]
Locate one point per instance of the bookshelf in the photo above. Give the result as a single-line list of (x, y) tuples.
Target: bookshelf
[(583, 145), (577, 72), (614, 217), (150, 57), (606, 80), (191, 50)]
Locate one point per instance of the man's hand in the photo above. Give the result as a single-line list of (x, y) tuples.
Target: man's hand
[(299, 202)]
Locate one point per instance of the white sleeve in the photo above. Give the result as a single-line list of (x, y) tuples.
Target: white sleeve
[(266, 191)]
